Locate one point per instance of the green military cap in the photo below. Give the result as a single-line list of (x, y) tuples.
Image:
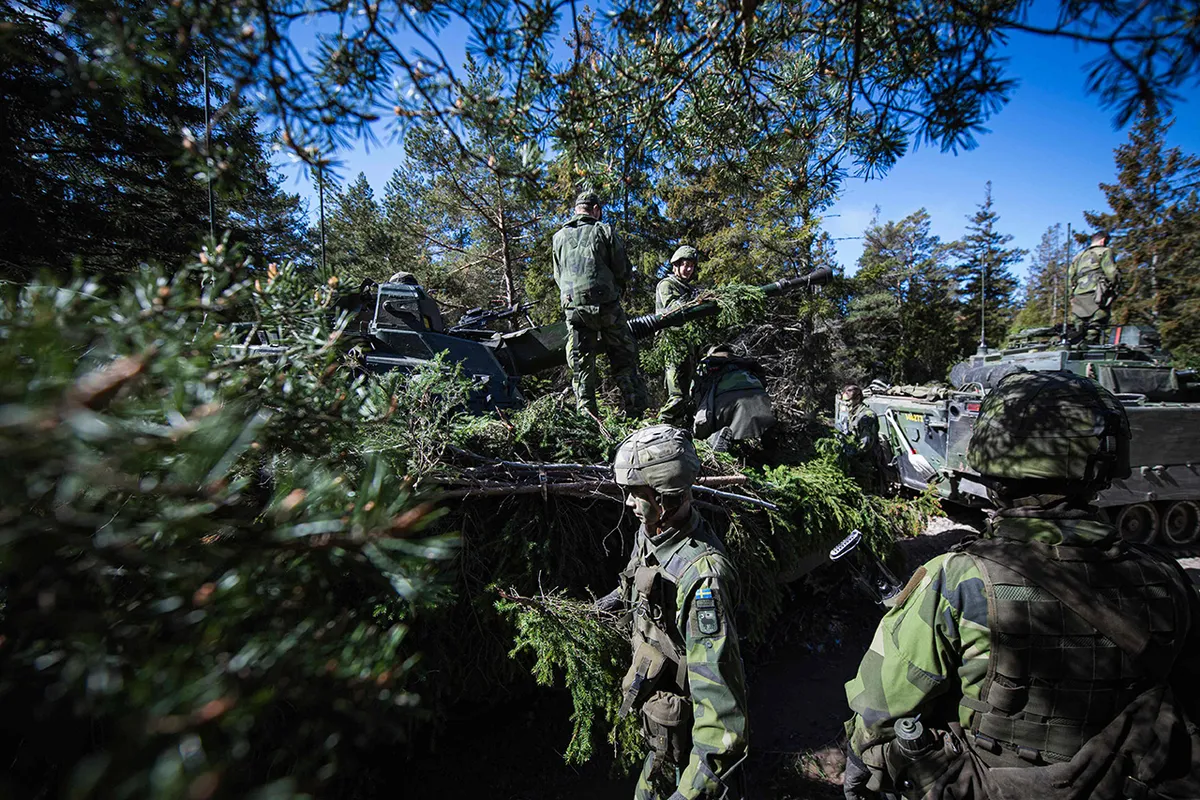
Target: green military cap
[(1050, 426), (587, 198), (685, 251), (660, 456)]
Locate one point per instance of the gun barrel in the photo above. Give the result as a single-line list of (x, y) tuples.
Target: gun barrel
[(649, 324)]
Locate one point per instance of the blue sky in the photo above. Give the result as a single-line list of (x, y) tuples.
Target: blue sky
[(1046, 153)]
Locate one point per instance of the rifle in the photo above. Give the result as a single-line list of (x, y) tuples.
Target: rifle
[(478, 317), (868, 569)]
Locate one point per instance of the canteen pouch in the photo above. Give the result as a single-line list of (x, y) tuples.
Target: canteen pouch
[(642, 675), (667, 726)]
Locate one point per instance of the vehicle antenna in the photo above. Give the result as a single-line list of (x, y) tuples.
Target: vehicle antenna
[(321, 202), (212, 224), (983, 306), (1066, 283)]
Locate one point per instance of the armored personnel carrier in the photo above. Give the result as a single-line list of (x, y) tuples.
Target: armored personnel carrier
[(398, 327), (929, 427)]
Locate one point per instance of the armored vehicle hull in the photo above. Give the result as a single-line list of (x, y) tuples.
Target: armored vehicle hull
[(928, 429)]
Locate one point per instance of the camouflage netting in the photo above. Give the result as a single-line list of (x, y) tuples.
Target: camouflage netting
[(572, 545)]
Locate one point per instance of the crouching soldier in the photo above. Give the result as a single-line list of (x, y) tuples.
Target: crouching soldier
[(686, 678), (1049, 659), (732, 404)]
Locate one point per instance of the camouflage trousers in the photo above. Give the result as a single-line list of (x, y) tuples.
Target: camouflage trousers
[(655, 782), (594, 329), (679, 392), (1088, 316), (661, 783)]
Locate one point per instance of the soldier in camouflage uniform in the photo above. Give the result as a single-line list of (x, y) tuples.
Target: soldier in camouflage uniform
[(1048, 659), (1094, 284), (685, 680), (860, 426), (673, 291), (860, 431), (591, 270), (731, 400)]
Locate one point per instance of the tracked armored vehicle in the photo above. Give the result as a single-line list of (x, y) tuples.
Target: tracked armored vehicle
[(928, 427), (397, 326)]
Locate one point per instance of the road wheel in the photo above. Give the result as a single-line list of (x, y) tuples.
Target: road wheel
[(1181, 522), (1138, 523)]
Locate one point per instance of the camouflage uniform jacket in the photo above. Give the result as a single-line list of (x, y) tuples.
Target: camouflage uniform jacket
[(672, 292), (1090, 268), (589, 261), (861, 425), (931, 652), (714, 680)]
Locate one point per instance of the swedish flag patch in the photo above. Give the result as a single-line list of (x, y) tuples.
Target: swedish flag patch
[(708, 619)]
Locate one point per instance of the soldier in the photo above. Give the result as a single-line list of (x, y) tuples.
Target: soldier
[(1049, 646), (1094, 285), (732, 404), (672, 292), (686, 677), (860, 427), (591, 270)]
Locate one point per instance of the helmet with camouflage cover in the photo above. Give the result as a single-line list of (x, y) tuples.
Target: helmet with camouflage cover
[(1051, 427), (685, 251), (660, 456)]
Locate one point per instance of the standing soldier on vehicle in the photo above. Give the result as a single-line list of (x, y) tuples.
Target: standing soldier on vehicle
[(1094, 284), (1049, 659), (591, 270), (672, 292), (686, 679)]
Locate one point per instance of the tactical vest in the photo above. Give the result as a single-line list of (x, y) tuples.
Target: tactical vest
[(585, 277), (1076, 634), (659, 650)]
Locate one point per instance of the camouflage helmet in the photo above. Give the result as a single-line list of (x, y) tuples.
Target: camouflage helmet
[(403, 277), (1051, 426), (587, 198), (685, 251), (660, 456)]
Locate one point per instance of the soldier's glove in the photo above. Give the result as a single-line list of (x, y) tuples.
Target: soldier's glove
[(610, 603), (854, 780)]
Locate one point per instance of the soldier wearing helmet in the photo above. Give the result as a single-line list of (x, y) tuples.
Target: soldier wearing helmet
[(591, 270), (859, 427), (1095, 282), (1048, 658), (672, 292), (685, 680)]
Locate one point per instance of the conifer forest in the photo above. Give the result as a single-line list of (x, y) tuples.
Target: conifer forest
[(278, 573)]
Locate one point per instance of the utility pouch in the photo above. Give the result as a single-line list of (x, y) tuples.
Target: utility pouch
[(667, 726), (642, 675)]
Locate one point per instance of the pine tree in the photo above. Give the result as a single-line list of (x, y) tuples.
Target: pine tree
[(482, 228), (103, 170), (903, 306), (358, 243), (1154, 219), (1046, 285), (986, 284)]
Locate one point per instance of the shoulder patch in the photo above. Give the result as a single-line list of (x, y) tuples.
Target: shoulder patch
[(704, 606), (909, 588)]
